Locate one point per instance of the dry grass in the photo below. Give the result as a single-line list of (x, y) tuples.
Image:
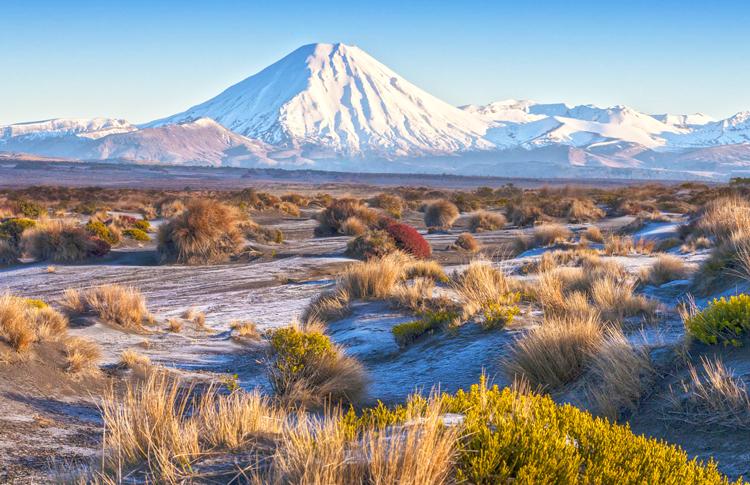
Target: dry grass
[(414, 296), (375, 278), (712, 396), (486, 221), (120, 305), (619, 370), (547, 234), (555, 353), (15, 327), (480, 285), (207, 232), (82, 355), (244, 330), (174, 325), (422, 268), (48, 322), (132, 359), (328, 306), (593, 234), (666, 268), (615, 300), (353, 226), (467, 242), (724, 217), (61, 241), (441, 214), (625, 246)]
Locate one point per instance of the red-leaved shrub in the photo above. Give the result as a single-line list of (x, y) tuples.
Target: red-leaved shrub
[(409, 240)]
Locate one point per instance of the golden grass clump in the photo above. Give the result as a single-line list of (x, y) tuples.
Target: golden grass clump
[(467, 242), (374, 278), (328, 306), (206, 232), (24, 321), (615, 300), (174, 325), (547, 234), (620, 370), (666, 268), (61, 241), (120, 305), (244, 330), (583, 210), (414, 296), (9, 253), (425, 268), (480, 286), (625, 246), (353, 226), (486, 221), (723, 217), (82, 355), (593, 234), (555, 353), (441, 215)]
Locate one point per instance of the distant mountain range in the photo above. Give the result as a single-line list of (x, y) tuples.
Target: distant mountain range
[(333, 106)]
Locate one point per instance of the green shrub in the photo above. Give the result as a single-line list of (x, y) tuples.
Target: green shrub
[(725, 321), (510, 437), (497, 315), (30, 209), (137, 234), (100, 230), (372, 244), (406, 333), (296, 354), (13, 228), (142, 224)]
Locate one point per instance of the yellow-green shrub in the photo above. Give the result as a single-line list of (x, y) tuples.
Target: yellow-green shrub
[(724, 320), (137, 234), (100, 230), (408, 332)]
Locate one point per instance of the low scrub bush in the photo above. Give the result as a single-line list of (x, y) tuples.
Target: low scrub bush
[(307, 367), (498, 315), (61, 241), (430, 321), (393, 205), (101, 231), (725, 321), (9, 253), (524, 214), (486, 221), (409, 240), (372, 244), (440, 215), (12, 229), (206, 232)]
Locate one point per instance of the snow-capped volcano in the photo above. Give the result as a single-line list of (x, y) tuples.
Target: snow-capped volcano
[(339, 98)]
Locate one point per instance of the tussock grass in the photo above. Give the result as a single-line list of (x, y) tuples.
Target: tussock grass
[(414, 296), (555, 353), (244, 330), (353, 226), (9, 253), (486, 221), (82, 355), (620, 371), (593, 234), (480, 286), (328, 306), (625, 246), (547, 234), (206, 232), (712, 396), (24, 321), (666, 268), (132, 359), (467, 242), (724, 217), (615, 300), (174, 325), (120, 305), (441, 215), (61, 241), (420, 268), (375, 278)]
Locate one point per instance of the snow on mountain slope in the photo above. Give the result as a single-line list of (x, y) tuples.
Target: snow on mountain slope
[(684, 121), (731, 131), (340, 98), (87, 128)]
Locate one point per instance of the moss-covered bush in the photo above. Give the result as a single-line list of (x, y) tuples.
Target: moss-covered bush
[(30, 209), (102, 231), (12, 229), (724, 321)]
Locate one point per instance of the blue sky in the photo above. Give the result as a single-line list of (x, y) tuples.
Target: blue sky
[(142, 60)]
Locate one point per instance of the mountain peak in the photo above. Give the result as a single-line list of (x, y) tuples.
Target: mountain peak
[(339, 98)]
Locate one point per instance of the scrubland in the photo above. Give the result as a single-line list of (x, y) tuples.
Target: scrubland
[(409, 335)]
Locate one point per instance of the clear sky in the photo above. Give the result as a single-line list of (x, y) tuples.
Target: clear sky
[(142, 60)]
